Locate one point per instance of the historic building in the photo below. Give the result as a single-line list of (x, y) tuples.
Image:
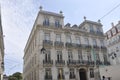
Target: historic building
[(113, 43), (55, 51), (1, 50)]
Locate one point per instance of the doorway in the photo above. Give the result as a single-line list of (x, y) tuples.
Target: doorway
[(82, 74)]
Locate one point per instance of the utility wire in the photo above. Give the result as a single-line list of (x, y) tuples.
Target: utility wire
[(110, 11)]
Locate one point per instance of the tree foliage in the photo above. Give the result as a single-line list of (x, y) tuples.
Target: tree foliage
[(15, 76)]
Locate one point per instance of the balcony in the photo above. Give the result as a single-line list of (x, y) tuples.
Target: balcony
[(86, 46), (78, 46), (60, 62), (47, 63), (85, 63), (61, 77), (96, 47), (103, 48), (58, 44), (71, 62), (48, 77), (106, 63), (52, 25), (47, 43), (69, 45)]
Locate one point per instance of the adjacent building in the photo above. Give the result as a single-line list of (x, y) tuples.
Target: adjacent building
[(113, 43), (55, 51), (1, 50)]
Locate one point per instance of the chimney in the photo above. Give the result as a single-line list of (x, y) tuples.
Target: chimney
[(61, 12), (99, 21), (84, 17), (112, 24), (40, 8)]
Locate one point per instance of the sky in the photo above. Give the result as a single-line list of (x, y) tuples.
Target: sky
[(18, 17)]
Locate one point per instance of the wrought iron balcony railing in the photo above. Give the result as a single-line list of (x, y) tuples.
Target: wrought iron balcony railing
[(58, 44), (60, 62), (52, 25), (69, 45), (47, 43), (71, 62), (96, 47), (47, 62), (103, 48)]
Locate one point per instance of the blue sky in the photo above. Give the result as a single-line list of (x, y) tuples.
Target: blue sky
[(18, 17)]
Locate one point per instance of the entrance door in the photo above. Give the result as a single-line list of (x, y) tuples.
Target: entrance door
[(82, 74)]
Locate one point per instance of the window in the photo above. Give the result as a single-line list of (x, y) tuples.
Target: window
[(58, 37), (98, 29), (91, 28), (47, 36), (46, 22), (86, 41), (97, 56), (70, 56), (47, 56), (57, 23), (80, 55), (77, 40), (89, 56), (72, 75), (91, 73), (94, 42), (48, 73), (68, 37), (102, 42), (59, 55), (105, 58), (60, 73)]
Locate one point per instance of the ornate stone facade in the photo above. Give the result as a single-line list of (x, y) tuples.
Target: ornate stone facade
[(55, 51)]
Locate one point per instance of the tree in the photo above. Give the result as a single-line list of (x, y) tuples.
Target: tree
[(15, 76)]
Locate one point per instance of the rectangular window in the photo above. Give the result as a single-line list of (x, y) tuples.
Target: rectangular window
[(70, 56), (47, 36), (72, 74), (59, 55), (47, 56), (94, 42), (46, 22), (58, 37), (48, 73), (91, 73), (57, 23), (77, 40), (91, 28), (102, 42), (89, 56), (80, 55), (68, 38), (86, 41)]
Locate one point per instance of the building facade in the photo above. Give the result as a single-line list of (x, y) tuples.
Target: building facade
[(1, 50), (113, 43), (55, 51)]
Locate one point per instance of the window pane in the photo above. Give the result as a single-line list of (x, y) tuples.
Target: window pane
[(68, 38), (58, 37), (47, 36), (77, 40)]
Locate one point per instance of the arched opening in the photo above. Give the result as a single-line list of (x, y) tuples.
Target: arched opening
[(82, 74)]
